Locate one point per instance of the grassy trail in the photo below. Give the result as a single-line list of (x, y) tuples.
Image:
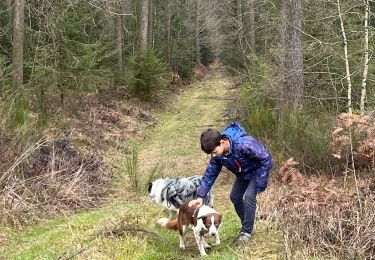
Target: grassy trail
[(126, 227)]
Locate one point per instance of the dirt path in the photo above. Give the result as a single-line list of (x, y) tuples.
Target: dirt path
[(174, 143)]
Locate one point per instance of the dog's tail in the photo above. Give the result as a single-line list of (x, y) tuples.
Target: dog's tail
[(168, 223)]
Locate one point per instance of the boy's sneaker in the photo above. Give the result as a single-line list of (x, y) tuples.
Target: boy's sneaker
[(243, 239)]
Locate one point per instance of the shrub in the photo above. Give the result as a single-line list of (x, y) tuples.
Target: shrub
[(146, 75), (292, 133), (304, 137), (207, 56), (206, 52), (183, 64)]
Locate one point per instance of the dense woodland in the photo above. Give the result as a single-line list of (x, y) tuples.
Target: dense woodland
[(314, 56), (300, 65)]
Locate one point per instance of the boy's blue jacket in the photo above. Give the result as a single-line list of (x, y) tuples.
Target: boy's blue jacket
[(247, 158)]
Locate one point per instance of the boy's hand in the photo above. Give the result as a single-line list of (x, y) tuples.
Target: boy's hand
[(198, 201)]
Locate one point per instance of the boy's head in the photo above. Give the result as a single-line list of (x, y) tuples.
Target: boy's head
[(212, 142)]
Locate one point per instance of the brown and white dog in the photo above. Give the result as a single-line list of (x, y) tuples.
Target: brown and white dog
[(203, 219)]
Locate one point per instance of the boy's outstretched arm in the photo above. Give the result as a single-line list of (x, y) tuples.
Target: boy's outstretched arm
[(208, 179), (198, 201)]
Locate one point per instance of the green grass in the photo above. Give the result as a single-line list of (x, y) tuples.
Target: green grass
[(82, 234), (173, 146)]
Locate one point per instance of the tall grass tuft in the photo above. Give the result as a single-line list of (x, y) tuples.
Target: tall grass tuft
[(129, 167), (13, 107), (17, 122), (262, 123), (19, 111), (155, 173), (305, 137), (132, 169)]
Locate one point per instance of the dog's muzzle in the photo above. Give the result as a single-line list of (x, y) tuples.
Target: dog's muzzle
[(212, 232)]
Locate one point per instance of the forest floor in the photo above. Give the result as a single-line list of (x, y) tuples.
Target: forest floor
[(125, 227)]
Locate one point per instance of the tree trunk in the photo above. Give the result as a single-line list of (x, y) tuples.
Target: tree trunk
[(151, 23), (365, 70), (249, 24), (281, 95), (119, 43), (169, 38), (346, 59), (18, 35), (9, 6), (239, 21), (197, 30), (240, 34), (293, 51), (144, 25)]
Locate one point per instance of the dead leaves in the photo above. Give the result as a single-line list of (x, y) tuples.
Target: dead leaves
[(356, 131), (315, 191)]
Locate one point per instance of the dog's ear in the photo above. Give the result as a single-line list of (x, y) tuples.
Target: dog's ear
[(204, 223), (149, 187), (217, 220)]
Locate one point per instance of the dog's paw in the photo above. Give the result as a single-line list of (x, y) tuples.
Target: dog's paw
[(182, 248), (215, 243), (207, 246)]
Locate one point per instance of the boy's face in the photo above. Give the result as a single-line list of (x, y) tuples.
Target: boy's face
[(219, 150)]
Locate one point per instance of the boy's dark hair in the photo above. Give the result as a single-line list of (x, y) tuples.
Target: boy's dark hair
[(210, 139)]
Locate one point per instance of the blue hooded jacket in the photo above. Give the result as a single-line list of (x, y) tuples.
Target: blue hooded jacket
[(247, 158)]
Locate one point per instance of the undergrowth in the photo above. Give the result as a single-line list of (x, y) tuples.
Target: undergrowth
[(323, 204)]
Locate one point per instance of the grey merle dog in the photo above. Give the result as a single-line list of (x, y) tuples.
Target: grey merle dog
[(171, 193)]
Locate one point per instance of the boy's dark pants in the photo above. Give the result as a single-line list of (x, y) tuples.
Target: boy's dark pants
[(243, 197)]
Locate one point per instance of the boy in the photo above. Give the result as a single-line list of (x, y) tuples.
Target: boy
[(248, 159)]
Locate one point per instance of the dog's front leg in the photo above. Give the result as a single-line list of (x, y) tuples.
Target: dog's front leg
[(182, 242), (217, 240), (205, 244), (182, 239), (199, 240)]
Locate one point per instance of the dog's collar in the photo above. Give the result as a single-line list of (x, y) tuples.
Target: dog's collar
[(195, 213)]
